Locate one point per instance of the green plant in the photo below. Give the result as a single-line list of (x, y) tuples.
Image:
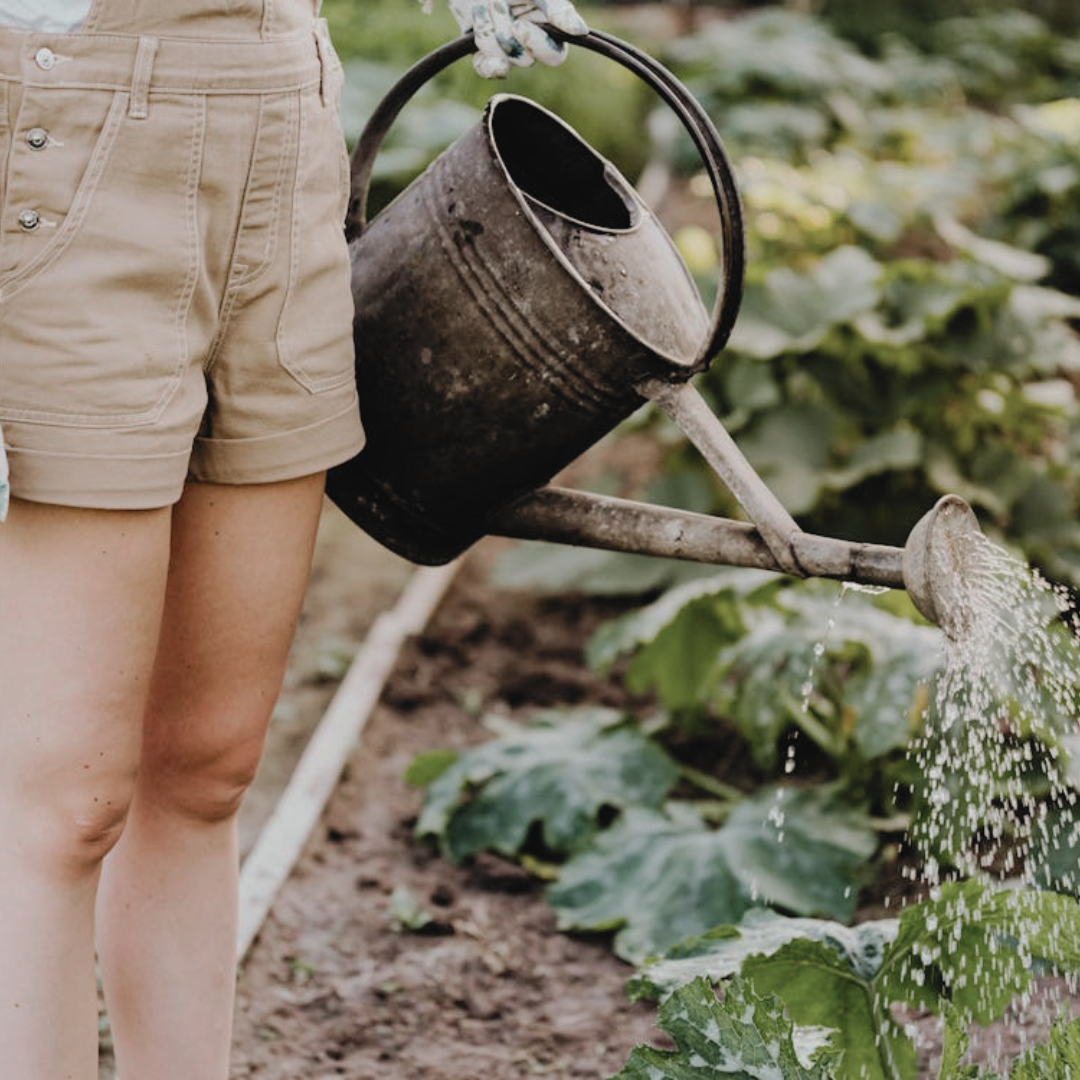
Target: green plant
[(902, 332), (964, 953)]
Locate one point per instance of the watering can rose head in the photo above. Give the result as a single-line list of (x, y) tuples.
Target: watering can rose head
[(511, 32)]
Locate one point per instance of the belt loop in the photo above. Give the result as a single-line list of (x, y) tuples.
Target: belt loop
[(323, 48), (139, 105)]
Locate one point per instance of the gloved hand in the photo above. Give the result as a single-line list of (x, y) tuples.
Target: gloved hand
[(509, 32)]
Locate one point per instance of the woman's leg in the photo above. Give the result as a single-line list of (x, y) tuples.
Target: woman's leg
[(167, 904), (80, 608)]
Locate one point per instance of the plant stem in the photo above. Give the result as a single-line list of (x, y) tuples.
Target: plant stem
[(710, 784)]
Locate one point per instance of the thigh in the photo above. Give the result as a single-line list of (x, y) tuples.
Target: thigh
[(238, 572), (79, 618)]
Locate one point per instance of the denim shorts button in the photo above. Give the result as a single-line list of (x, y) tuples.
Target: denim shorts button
[(29, 220), (37, 138), (45, 58)]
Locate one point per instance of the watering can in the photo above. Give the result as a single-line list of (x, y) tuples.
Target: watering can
[(514, 304)]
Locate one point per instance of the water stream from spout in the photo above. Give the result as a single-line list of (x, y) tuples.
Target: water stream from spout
[(999, 758), (999, 793)]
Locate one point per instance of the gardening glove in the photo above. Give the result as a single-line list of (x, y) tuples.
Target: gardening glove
[(4, 490), (510, 32)]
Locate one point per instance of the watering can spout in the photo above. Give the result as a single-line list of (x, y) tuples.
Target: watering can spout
[(931, 565), (937, 563)]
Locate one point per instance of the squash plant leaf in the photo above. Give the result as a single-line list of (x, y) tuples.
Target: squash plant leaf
[(744, 1036), (655, 878), (659, 877), (801, 849), (864, 670), (793, 310), (557, 774), (719, 954)]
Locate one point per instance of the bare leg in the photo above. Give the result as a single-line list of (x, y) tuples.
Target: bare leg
[(80, 605), (167, 905)]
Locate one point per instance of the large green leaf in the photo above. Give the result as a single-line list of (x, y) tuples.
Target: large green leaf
[(792, 311), (653, 877), (558, 774), (745, 1036), (858, 668), (657, 878), (805, 850), (823, 971), (675, 640), (720, 953), (965, 953), (819, 988)]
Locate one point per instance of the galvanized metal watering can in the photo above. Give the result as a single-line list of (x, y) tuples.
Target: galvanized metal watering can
[(513, 305)]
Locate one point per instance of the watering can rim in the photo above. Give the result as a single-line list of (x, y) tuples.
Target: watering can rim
[(698, 124), (636, 207)]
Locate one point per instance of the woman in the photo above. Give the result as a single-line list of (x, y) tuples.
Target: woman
[(175, 378)]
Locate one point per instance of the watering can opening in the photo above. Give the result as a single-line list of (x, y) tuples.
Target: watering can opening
[(555, 169), (595, 226)]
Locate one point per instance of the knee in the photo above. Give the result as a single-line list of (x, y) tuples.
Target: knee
[(206, 787), (78, 825)]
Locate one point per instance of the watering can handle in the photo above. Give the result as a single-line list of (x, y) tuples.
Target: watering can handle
[(690, 113)]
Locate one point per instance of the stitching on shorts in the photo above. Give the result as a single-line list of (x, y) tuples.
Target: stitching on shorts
[(242, 276), (191, 202), (294, 231), (139, 108), (19, 278), (285, 354), (290, 149)]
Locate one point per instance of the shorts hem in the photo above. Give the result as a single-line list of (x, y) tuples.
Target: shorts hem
[(284, 455), (96, 481), (107, 481)]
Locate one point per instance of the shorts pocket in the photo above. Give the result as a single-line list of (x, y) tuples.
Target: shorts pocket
[(314, 332), (95, 289)]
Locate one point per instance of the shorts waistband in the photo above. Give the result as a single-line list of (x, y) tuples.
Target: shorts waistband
[(106, 61)]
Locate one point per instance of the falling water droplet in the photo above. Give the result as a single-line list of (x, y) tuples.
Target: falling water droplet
[(997, 800)]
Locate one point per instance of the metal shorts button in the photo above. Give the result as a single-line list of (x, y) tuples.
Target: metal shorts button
[(29, 220), (45, 58), (37, 138)]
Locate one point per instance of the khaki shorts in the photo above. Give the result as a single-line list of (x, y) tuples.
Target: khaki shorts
[(174, 280)]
